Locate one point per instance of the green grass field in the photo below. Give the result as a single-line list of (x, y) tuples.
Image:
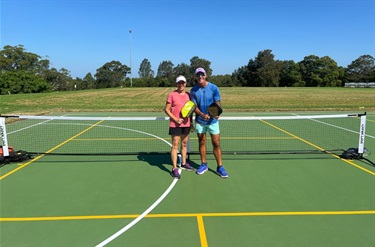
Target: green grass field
[(153, 100)]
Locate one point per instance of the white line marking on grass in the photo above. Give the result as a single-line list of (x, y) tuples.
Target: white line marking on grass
[(135, 221)]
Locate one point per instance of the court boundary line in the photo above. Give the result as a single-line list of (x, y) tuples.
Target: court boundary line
[(49, 151), (140, 217), (339, 127), (189, 215), (319, 148), (199, 217), (202, 231)]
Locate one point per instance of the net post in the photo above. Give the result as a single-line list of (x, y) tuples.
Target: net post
[(179, 159), (362, 134), (4, 140)]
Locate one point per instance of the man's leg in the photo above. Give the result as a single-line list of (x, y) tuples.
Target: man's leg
[(202, 147), (217, 149)]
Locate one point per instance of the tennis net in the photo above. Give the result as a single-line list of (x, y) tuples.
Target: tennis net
[(149, 135)]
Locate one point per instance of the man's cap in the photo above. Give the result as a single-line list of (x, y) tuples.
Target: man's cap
[(199, 70), (180, 78)]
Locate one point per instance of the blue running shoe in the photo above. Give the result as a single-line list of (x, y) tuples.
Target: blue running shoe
[(202, 169), (187, 166), (221, 171), (175, 173)]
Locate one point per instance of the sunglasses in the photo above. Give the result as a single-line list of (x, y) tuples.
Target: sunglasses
[(200, 74)]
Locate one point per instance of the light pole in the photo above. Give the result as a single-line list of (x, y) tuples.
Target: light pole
[(131, 79)]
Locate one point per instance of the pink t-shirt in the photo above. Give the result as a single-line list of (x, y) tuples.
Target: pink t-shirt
[(178, 101)]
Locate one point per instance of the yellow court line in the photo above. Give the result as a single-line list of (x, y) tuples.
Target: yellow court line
[(49, 151), (354, 164), (288, 133), (202, 231), (197, 215), (319, 148)]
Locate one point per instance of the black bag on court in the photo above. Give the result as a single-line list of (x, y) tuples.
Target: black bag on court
[(14, 156)]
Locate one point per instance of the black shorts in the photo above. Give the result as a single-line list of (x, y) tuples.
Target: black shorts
[(178, 131)]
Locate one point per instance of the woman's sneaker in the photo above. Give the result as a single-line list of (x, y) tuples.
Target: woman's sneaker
[(202, 169), (175, 173), (187, 166), (221, 172)]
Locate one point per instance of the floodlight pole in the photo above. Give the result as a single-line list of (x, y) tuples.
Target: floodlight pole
[(131, 79)]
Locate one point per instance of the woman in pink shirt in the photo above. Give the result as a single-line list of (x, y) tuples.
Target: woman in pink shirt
[(179, 127)]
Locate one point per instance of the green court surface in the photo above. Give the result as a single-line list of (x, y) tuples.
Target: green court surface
[(273, 200)]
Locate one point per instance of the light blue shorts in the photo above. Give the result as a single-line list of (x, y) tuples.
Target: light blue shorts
[(213, 129)]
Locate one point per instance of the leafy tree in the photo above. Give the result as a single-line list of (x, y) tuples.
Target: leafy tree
[(267, 70), (196, 62), (43, 66), (184, 69), (251, 70), (14, 58), (165, 74), (320, 72), (242, 75), (66, 79), (111, 74), (224, 80), (145, 70), (17, 59), (330, 73), (60, 80), (88, 81), (290, 75), (361, 70), (14, 82), (22, 71), (145, 82), (263, 71), (27, 72), (308, 68)]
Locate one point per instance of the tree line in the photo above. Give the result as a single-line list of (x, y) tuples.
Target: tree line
[(26, 72)]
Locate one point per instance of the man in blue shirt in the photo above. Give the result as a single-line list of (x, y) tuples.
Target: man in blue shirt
[(203, 94)]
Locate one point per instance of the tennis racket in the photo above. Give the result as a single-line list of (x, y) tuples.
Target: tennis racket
[(188, 109), (214, 110)]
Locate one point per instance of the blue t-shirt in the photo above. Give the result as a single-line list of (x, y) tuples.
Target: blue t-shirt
[(203, 97)]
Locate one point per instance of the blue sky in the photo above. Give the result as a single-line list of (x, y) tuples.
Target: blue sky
[(82, 35)]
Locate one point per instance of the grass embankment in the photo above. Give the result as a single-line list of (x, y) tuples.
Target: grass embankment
[(153, 100)]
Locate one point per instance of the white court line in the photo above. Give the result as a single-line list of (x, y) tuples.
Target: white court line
[(135, 221), (338, 127), (28, 127), (156, 203), (140, 217)]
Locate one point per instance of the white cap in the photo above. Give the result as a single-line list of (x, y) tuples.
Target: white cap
[(180, 78)]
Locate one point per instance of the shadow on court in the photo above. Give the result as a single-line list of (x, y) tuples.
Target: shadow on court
[(163, 162)]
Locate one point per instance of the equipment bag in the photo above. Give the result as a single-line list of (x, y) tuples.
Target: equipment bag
[(351, 154), (14, 156)]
